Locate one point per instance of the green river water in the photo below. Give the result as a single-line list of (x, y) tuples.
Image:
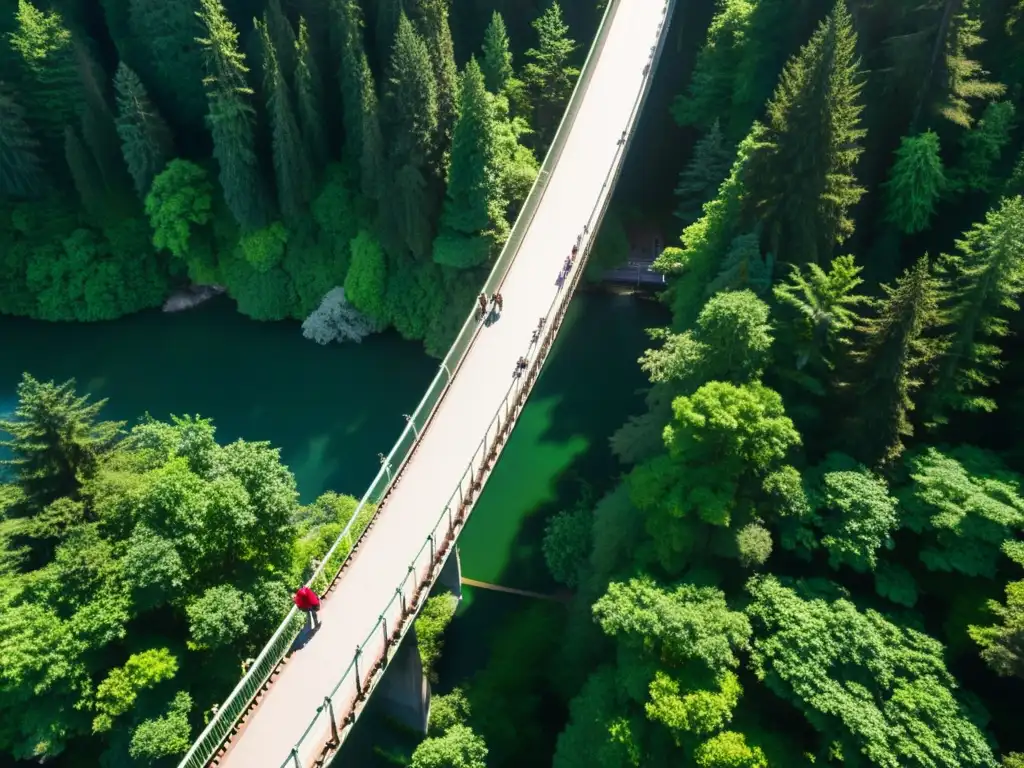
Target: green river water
[(332, 409)]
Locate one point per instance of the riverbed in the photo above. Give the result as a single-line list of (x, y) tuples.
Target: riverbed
[(333, 409)]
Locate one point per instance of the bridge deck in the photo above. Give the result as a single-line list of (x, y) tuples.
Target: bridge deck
[(381, 562)]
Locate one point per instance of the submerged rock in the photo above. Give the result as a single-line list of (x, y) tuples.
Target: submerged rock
[(191, 297)]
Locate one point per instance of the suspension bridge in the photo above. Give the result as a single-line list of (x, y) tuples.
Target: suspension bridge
[(301, 695)]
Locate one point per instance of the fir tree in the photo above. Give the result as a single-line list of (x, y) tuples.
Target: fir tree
[(21, 172), (983, 147), (56, 441), (744, 268), (548, 74), (699, 181), (986, 279), (436, 33), (497, 57), (283, 36), (85, 174), (800, 178), (898, 344), (145, 138), (173, 68), (916, 181), (472, 207), (53, 89), (411, 109), (348, 40), (232, 118), (388, 14), (371, 158), (292, 166), (309, 92)]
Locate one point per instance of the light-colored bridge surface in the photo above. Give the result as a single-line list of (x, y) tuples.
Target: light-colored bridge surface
[(576, 188)]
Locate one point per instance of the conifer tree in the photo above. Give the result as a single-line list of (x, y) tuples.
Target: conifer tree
[(916, 181), (986, 279), (348, 40), (21, 171), (99, 128), (800, 178), (548, 74), (85, 174), (371, 158), (497, 57), (436, 33), (53, 89), (283, 36), (897, 345), (55, 440), (145, 138), (983, 147), (473, 221), (388, 13), (173, 67), (232, 118), (292, 166), (700, 179), (309, 94), (411, 109)]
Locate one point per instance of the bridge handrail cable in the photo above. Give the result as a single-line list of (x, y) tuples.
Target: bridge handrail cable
[(242, 696), (478, 465)]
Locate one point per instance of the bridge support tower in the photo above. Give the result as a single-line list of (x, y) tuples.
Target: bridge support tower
[(405, 688), (450, 577)]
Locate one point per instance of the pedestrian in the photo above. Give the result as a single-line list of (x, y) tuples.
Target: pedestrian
[(499, 303), (306, 600), (567, 265), (521, 365), (575, 250), (482, 301)]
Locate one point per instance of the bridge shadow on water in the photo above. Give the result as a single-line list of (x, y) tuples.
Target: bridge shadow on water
[(502, 648)]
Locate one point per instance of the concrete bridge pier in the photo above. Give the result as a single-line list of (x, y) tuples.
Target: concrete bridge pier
[(450, 577), (404, 688)]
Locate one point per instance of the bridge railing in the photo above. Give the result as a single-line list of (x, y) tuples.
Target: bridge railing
[(245, 693), (337, 713)]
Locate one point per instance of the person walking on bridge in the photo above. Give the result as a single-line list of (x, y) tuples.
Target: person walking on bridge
[(306, 600)]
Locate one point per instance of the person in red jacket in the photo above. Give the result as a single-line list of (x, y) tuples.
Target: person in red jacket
[(306, 600)]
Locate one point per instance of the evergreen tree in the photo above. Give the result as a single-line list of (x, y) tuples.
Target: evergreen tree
[(283, 36), (371, 158), (53, 89), (348, 40), (411, 109), (388, 14), (174, 65), (232, 118), (473, 208), (983, 147), (699, 181), (309, 92), (436, 33), (21, 172), (292, 166), (548, 74), (497, 58), (99, 128), (85, 174), (986, 278), (800, 179), (56, 441), (898, 344), (916, 181), (145, 138)]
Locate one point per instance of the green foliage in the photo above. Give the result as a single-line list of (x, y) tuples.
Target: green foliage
[(964, 504), (800, 176), (432, 23), (309, 95), (116, 695), (1002, 644), (701, 178), (984, 277), (56, 441), (181, 196), (85, 174), (496, 62), (983, 146), (566, 544), (366, 281), (753, 545), (897, 343), (21, 171), (459, 747), (731, 342), (218, 618), (231, 117), (164, 736), (435, 616), (264, 248), (548, 74), (917, 180), (729, 750), (869, 686), (145, 138), (447, 711)]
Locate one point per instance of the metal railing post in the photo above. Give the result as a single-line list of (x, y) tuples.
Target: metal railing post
[(295, 757), (384, 625), (412, 423), (330, 713), (359, 680)]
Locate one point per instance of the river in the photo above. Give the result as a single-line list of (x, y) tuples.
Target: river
[(333, 409)]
